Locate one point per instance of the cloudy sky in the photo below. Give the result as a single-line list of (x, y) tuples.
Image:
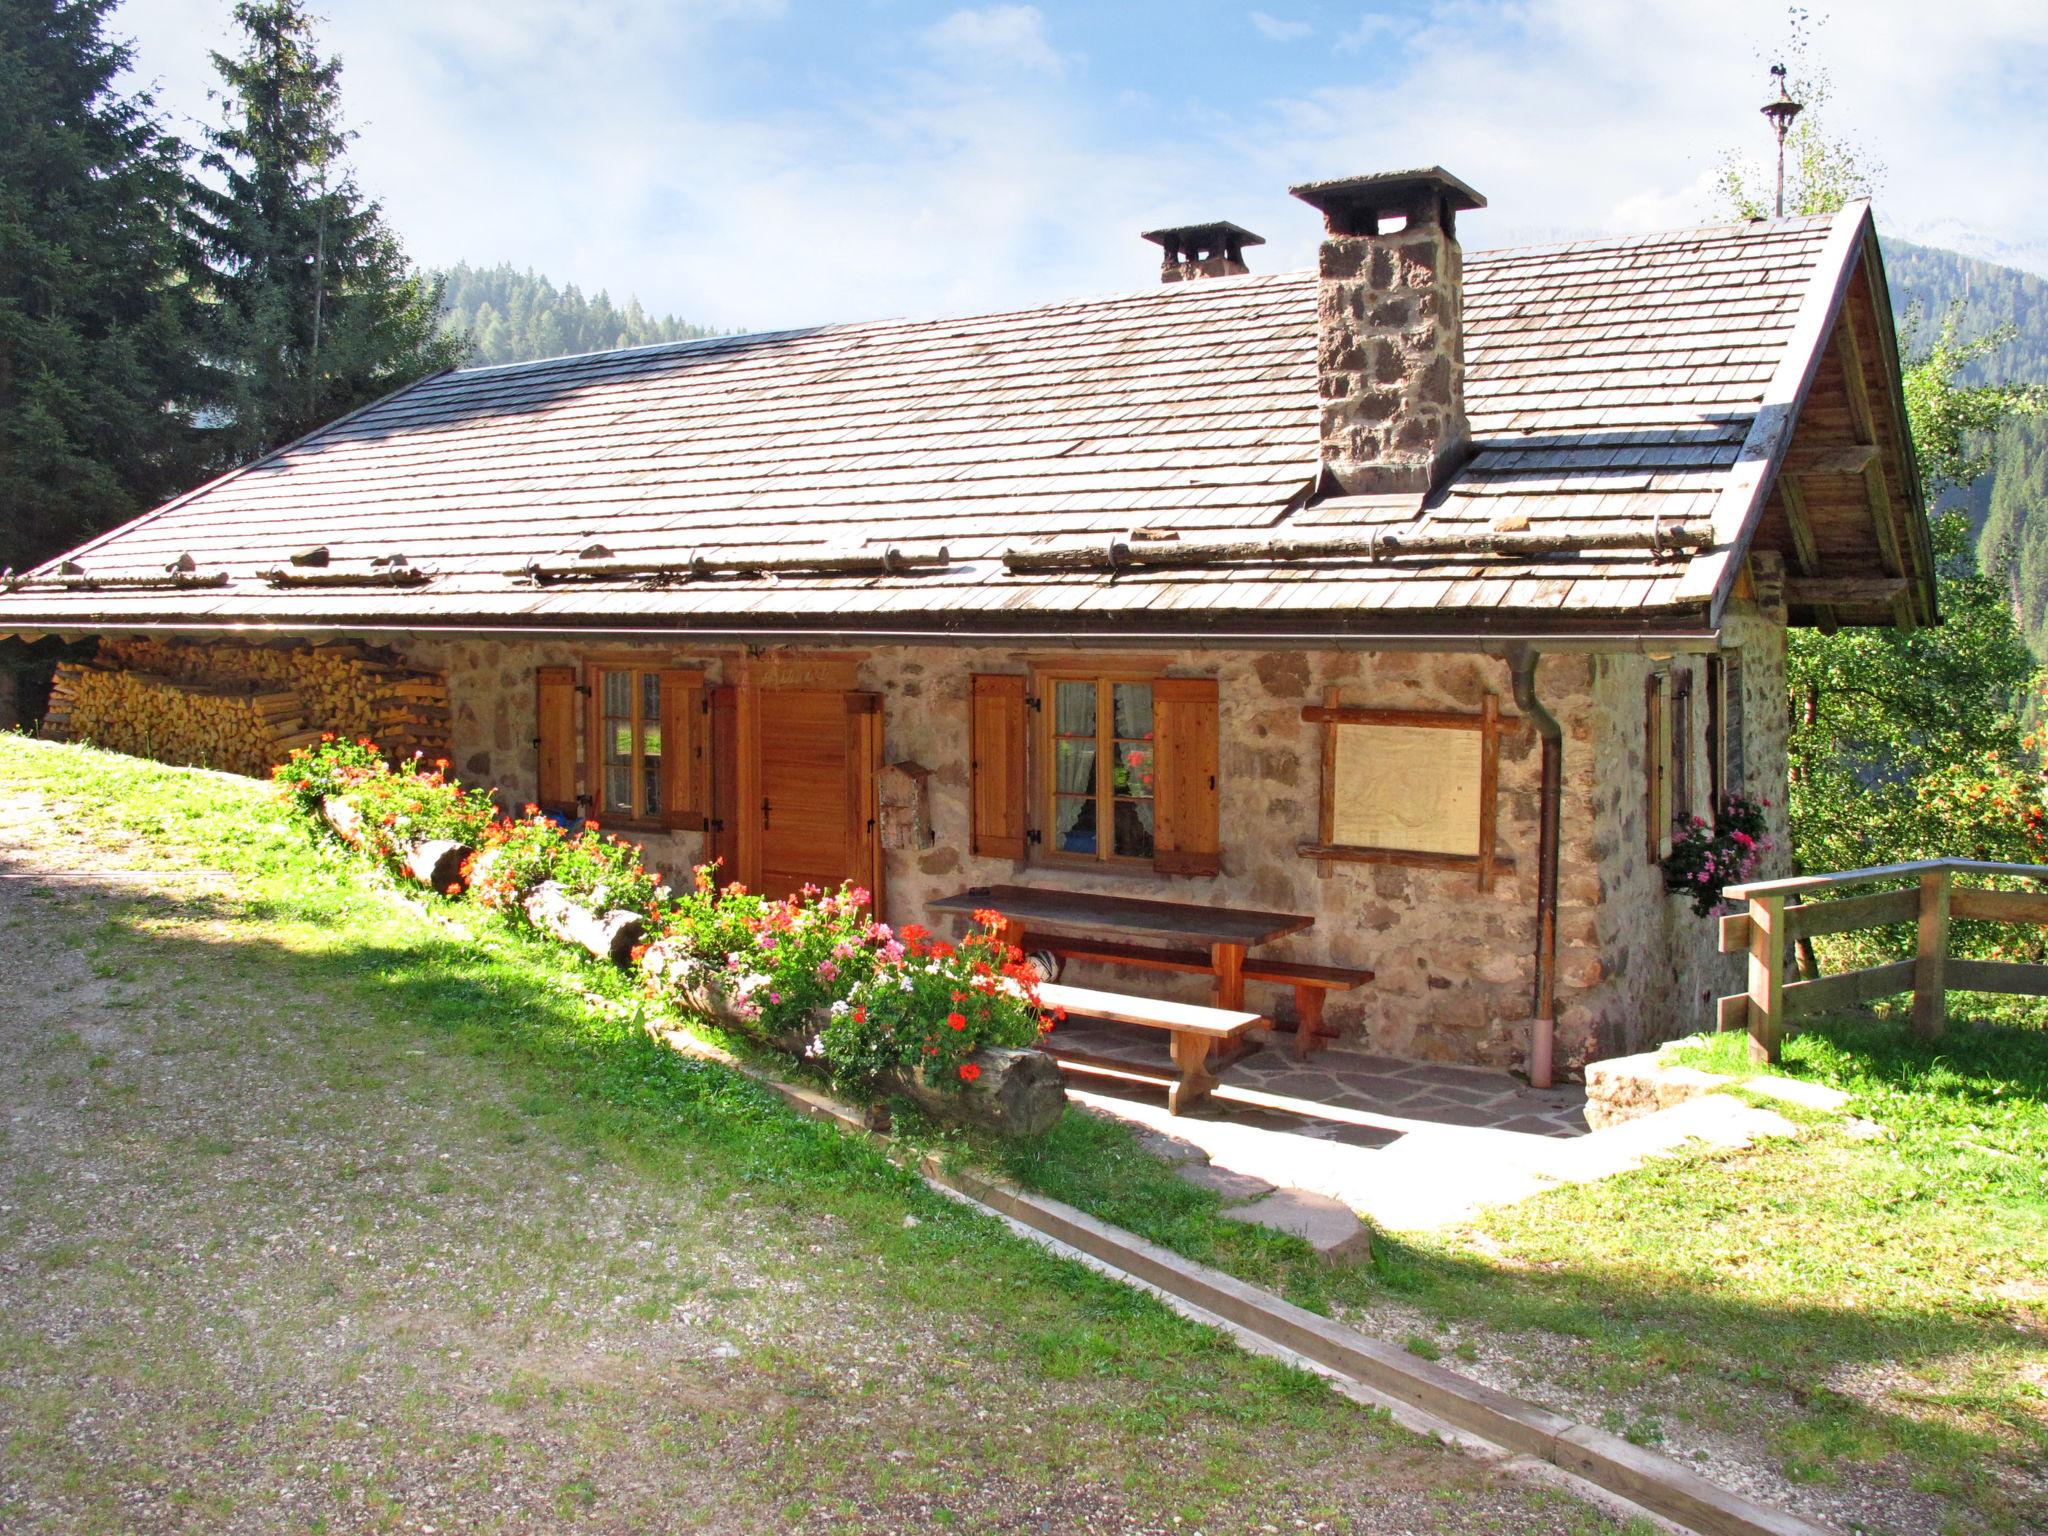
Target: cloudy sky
[(760, 163)]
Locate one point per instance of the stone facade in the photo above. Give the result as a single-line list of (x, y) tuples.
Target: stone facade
[(1453, 964)]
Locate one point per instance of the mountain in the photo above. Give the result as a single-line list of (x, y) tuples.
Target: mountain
[(517, 317), (2008, 507), (1954, 237)]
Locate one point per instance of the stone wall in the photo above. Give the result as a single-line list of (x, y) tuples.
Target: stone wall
[(1660, 966), (1453, 964)]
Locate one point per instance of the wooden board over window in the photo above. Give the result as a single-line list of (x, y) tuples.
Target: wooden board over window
[(1410, 787)]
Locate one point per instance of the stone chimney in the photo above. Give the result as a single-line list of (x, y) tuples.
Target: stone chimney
[(1390, 351), (1202, 250)]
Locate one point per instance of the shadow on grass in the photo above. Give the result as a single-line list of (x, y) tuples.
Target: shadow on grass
[(526, 1005)]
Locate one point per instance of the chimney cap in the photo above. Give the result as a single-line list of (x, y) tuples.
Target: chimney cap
[(1354, 204), (1214, 235)]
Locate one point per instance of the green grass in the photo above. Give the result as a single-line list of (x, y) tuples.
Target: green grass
[(385, 983), (1876, 1306)]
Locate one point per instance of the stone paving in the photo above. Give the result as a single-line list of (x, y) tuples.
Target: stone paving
[(1409, 1145)]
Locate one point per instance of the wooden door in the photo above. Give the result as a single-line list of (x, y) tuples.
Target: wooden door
[(813, 822)]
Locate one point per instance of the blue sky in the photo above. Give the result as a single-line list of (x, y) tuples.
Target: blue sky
[(767, 162)]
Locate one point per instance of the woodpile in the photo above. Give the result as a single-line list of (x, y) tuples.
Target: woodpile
[(243, 708)]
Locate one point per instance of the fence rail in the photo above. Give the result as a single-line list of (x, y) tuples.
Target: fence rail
[(1778, 916)]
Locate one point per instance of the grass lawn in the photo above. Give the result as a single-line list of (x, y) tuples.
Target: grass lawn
[(1859, 1316), (317, 1214)]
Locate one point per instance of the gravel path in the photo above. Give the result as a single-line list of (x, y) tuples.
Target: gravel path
[(272, 1262)]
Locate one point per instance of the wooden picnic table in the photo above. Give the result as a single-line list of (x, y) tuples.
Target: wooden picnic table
[(1225, 932)]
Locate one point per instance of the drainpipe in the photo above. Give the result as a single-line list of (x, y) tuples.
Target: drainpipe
[(1522, 668)]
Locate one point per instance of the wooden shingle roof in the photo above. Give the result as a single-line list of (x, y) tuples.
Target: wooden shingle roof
[(1611, 384)]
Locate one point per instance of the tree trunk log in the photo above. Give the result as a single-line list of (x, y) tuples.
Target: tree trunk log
[(607, 935), (438, 864), (1019, 1093), (344, 818)]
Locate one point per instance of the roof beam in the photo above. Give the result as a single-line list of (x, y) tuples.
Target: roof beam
[(1877, 489), (1805, 552), (1825, 592), (1831, 459)]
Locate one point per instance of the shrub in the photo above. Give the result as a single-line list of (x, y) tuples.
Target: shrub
[(414, 804), (594, 870), (930, 1006), (1704, 859), (336, 765)]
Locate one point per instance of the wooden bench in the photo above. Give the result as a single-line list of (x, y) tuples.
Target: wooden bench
[(1195, 1028), (1310, 982)]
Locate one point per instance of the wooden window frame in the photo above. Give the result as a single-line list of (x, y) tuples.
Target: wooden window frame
[(1684, 802), (683, 781), (1046, 753), (1488, 862)]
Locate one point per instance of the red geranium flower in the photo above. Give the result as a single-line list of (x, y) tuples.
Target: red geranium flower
[(969, 1071), (957, 1020)]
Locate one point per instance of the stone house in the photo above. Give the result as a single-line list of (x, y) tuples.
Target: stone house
[(1421, 594)]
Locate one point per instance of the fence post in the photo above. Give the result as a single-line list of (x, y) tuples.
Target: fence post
[(1930, 962), (1766, 977)]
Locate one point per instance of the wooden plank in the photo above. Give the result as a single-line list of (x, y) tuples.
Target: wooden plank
[(1913, 867), (1734, 933), (1814, 918), (1766, 977), (1826, 591), (1998, 976), (997, 766), (1999, 906), (1337, 978), (1930, 955), (555, 739), (1802, 999), (1148, 1012), (1489, 786), (1140, 918), (1345, 854), (1830, 459), (1732, 1012), (1186, 817)]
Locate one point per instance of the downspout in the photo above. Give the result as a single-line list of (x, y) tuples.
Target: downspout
[(1550, 797)]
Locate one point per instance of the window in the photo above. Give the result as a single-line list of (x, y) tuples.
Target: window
[(1104, 769), (641, 743), (1725, 765), (628, 756), (1078, 767)]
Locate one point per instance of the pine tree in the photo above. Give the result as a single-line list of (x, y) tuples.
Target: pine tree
[(97, 382), (315, 308)]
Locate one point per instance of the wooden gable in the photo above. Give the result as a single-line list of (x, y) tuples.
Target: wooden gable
[(1845, 510)]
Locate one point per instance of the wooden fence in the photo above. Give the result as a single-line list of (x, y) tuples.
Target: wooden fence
[(1779, 916)]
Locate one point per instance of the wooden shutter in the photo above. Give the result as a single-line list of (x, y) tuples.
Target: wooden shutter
[(1731, 727), (863, 810), (1681, 745), (682, 748), (1717, 739), (555, 740), (722, 801), (1185, 836), (997, 739)]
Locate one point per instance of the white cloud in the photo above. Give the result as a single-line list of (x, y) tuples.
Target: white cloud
[(996, 37), (979, 167), (1276, 30)]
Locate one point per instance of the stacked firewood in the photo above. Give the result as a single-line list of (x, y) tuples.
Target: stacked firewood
[(243, 708)]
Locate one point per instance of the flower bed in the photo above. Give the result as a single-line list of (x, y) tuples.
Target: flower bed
[(881, 1009)]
